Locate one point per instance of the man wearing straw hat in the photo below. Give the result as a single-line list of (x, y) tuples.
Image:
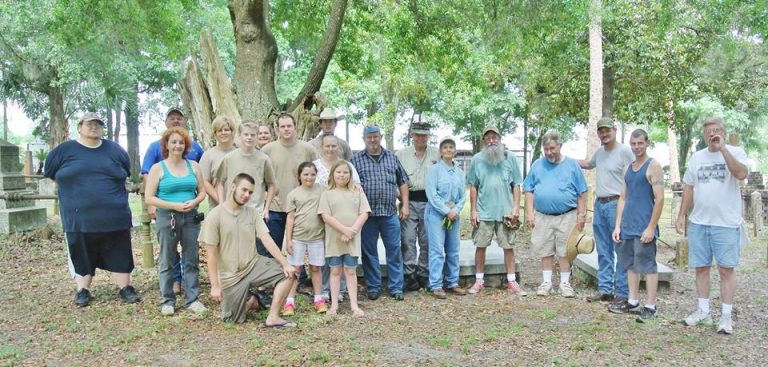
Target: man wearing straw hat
[(556, 187), (328, 121), (636, 228)]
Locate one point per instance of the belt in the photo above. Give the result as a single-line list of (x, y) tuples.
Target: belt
[(608, 199), (417, 196), (559, 214)]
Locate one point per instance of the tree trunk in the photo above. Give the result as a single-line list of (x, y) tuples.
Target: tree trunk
[(195, 96), (674, 163), (595, 82), (256, 54), (58, 124), (118, 119), (608, 82), (223, 100), (110, 122), (132, 131)]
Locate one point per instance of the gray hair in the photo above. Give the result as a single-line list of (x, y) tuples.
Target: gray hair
[(714, 120), (550, 135)]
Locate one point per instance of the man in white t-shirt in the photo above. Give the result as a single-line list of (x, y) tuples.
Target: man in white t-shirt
[(712, 186)]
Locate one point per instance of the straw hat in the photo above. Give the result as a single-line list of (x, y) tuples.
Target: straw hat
[(578, 243)]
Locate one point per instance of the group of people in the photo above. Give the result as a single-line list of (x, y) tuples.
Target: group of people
[(276, 204)]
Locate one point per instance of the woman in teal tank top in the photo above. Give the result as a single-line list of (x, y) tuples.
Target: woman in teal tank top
[(175, 186)]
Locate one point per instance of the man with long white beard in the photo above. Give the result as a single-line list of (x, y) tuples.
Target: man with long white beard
[(494, 196)]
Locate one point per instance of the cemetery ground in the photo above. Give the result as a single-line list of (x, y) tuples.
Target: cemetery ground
[(40, 325)]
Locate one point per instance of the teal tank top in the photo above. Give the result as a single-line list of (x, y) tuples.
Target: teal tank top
[(175, 189)]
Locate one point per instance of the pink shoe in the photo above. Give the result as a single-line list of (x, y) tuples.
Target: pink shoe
[(321, 306), (479, 285), (515, 288), (289, 309)]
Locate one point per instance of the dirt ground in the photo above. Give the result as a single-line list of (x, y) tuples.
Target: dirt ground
[(40, 325)]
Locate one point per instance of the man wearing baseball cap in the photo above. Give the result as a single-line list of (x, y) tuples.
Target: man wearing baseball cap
[(609, 161)]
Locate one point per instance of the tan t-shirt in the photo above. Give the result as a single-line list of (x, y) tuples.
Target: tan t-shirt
[(255, 164), (345, 152), (345, 206), (285, 162), (307, 225), (235, 237), (209, 164), (417, 168)]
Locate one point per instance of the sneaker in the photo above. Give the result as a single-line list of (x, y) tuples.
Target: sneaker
[(600, 297), (438, 293), (167, 310), (289, 309), (544, 289), (477, 287), (566, 290), (83, 297), (459, 291), (320, 306), (726, 325), (515, 288), (397, 296), (698, 318), (621, 305), (646, 314), (128, 294), (374, 295), (197, 307)]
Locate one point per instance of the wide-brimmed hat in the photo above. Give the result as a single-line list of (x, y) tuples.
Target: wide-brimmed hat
[(578, 243), (420, 128), (91, 116), (328, 114)]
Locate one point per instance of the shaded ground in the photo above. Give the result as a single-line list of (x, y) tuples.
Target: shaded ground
[(39, 324)]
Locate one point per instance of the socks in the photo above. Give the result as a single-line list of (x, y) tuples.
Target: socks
[(510, 277), (547, 274), (290, 301), (652, 307), (704, 305), (634, 302), (565, 277), (727, 309), (319, 297), (479, 276)]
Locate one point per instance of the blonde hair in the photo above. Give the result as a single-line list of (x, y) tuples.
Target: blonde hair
[(221, 121), (332, 180)]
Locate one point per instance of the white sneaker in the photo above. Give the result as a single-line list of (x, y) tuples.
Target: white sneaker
[(566, 290), (197, 307), (544, 289), (726, 325), (698, 318), (167, 310)]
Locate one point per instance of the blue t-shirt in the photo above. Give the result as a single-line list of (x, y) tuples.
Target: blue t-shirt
[(556, 187), (155, 155), (91, 183), (494, 185)]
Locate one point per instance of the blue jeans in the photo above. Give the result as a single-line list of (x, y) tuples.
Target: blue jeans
[(609, 279), (389, 229), (184, 231), (276, 226), (443, 251)]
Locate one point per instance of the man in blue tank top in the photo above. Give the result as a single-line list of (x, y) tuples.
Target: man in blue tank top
[(636, 228)]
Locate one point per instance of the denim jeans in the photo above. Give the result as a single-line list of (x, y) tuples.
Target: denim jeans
[(443, 251), (609, 279), (389, 228), (276, 226), (185, 230)]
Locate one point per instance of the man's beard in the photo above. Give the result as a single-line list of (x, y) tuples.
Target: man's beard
[(493, 154)]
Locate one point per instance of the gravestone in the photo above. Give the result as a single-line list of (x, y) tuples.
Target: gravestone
[(16, 215)]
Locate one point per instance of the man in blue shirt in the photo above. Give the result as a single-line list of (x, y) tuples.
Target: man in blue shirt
[(173, 118), (382, 177), (555, 188)]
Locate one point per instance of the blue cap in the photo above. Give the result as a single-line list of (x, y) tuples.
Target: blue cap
[(371, 129)]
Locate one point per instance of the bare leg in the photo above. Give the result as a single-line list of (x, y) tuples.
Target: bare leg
[(727, 284), (83, 282), (651, 285), (121, 279), (480, 259), (335, 285), (351, 276), (278, 298), (565, 264), (702, 282), (509, 261), (546, 263), (634, 285), (317, 280)]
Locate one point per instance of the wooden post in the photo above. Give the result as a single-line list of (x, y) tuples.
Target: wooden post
[(756, 203), (681, 249), (146, 233)]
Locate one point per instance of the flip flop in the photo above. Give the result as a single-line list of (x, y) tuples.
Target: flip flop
[(281, 326)]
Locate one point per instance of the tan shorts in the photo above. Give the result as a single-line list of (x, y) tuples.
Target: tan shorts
[(266, 273), (484, 233), (550, 233)]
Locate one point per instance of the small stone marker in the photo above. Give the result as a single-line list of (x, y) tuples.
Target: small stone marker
[(21, 215)]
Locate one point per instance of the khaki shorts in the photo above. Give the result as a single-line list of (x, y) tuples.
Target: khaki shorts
[(550, 233), (484, 233), (265, 273)]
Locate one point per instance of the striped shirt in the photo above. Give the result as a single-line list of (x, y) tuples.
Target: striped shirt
[(381, 179)]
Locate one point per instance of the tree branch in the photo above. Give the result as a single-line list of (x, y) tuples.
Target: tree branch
[(323, 56)]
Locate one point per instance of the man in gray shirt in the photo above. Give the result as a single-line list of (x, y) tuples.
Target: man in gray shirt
[(610, 161)]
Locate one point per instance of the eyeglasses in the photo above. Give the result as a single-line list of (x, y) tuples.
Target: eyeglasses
[(714, 130)]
